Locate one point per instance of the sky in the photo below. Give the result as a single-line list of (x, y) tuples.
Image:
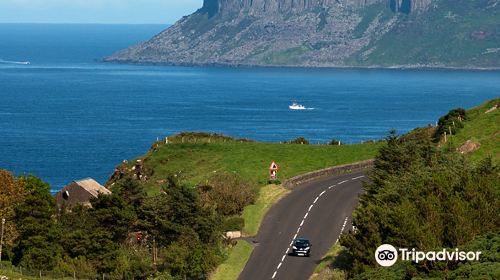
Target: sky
[(96, 11)]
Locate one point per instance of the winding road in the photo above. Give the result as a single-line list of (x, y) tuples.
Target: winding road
[(319, 210)]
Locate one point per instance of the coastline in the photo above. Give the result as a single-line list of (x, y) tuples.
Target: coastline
[(332, 67)]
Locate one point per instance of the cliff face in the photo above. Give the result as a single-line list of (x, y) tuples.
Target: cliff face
[(407, 6), (326, 33), (256, 7)]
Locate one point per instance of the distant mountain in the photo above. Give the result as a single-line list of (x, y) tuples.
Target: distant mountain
[(330, 33)]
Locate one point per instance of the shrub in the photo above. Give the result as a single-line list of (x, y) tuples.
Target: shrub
[(453, 122), (227, 193), (300, 140), (234, 224), (336, 142)]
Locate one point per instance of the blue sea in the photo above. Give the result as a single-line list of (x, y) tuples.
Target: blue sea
[(67, 116)]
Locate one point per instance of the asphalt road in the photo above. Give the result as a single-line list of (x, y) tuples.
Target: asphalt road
[(320, 211)]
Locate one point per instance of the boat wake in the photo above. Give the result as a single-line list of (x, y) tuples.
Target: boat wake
[(2, 61), (296, 106)]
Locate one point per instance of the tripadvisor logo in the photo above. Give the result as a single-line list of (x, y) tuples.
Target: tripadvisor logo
[(387, 255)]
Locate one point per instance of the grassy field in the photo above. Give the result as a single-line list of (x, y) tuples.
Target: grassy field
[(197, 161), (484, 128), (233, 266)]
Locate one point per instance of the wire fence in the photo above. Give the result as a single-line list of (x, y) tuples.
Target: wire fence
[(15, 272)]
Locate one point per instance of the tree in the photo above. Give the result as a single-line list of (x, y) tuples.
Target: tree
[(131, 192), (183, 230), (97, 233), (114, 215), (38, 242), (11, 194)]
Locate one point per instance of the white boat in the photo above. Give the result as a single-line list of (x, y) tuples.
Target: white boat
[(296, 106)]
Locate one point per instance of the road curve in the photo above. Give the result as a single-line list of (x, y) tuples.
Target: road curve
[(318, 210)]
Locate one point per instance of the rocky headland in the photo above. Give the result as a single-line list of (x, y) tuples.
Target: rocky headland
[(329, 33)]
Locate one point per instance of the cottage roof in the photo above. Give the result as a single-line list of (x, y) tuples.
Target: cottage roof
[(91, 186)]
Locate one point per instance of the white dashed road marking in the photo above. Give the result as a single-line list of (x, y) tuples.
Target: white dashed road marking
[(342, 230)]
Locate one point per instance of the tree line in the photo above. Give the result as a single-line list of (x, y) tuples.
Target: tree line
[(176, 234), (429, 198)]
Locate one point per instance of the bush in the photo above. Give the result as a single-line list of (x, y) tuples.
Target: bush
[(227, 193), (300, 140), (274, 182), (453, 122), (234, 224), (336, 142)]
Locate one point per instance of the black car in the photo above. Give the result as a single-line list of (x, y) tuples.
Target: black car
[(301, 247)]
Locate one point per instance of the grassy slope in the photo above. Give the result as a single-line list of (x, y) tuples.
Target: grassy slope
[(250, 160), (483, 128), (328, 267), (441, 35), (233, 266)]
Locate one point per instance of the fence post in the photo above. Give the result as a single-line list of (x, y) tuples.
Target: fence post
[(74, 275)]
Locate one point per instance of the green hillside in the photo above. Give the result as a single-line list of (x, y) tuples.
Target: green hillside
[(451, 33), (482, 128), (196, 160), (428, 192)]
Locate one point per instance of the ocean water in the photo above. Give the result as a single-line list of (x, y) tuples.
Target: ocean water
[(67, 116)]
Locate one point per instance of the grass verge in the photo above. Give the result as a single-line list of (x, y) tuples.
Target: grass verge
[(330, 265), (253, 214), (16, 275), (233, 266)]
